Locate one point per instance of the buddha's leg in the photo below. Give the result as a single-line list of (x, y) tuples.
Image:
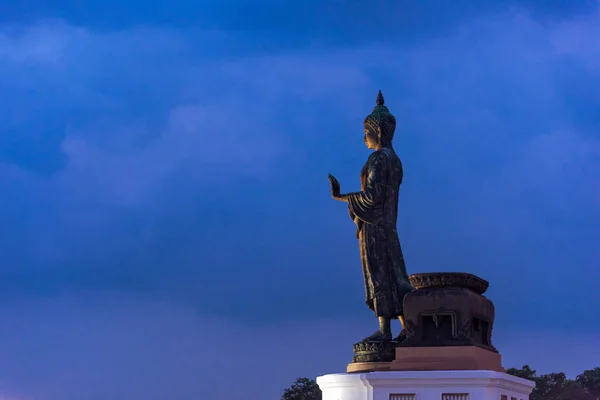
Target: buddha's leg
[(383, 334), (401, 319), (402, 335)]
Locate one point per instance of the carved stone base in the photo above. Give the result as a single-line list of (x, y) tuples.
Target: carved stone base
[(448, 309), (449, 358), (437, 358), (374, 352)]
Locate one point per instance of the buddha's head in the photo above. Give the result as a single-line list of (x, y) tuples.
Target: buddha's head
[(379, 126)]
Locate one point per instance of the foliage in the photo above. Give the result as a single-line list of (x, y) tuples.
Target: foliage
[(590, 380), (302, 389), (556, 386)]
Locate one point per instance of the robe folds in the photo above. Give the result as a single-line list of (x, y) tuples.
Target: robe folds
[(375, 211)]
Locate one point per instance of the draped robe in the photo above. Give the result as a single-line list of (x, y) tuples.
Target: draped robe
[(375, 211)]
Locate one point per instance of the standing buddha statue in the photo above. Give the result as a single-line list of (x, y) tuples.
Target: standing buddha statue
[(374, 210)]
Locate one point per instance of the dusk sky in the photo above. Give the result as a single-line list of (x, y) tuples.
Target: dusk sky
[(167, 227)]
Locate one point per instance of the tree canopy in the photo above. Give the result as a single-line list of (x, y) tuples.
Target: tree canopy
[(302, 389), (556, 385)]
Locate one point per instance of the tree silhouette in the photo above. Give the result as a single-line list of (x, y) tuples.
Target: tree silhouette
[(302, 389), (556, 385), (590, 380)]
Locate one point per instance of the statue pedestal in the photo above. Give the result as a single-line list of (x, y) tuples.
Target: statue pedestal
[(425, 385), (435, 358), (446, 353)]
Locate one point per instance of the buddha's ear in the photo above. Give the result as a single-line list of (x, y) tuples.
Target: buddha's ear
[(379, 134)]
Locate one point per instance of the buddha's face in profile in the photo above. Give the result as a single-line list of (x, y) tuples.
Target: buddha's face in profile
[(370, 138)]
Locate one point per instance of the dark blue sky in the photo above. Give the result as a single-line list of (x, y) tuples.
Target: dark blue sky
[(164, 169)]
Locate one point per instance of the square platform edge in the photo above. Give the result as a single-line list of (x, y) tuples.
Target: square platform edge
[(401, 379)]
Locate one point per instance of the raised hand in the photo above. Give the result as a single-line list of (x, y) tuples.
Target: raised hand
[(335, 187)]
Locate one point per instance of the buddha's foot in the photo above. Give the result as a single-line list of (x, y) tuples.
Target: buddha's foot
[(378, 337), (401, 336)]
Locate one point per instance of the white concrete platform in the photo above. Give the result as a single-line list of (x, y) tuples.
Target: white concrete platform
[(425, 385)]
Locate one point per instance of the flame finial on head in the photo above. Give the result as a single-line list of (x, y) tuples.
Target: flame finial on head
[(379, 100)]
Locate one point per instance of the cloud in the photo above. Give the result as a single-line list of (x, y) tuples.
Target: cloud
[(151, 160), (39, 44), (120, 347), (576, 38), (203, 140), (166, 211)]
